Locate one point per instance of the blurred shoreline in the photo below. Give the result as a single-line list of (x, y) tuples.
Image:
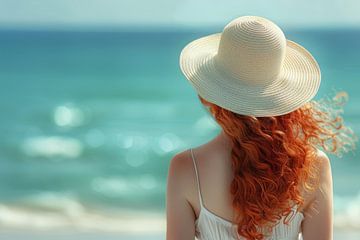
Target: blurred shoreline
[(75, 235), (71, 234), (20, 223), (125, 221)]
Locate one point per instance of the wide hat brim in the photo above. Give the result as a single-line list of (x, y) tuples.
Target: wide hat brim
[(297, 83)]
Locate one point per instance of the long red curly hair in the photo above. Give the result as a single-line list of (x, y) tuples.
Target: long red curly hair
[(273, 156)]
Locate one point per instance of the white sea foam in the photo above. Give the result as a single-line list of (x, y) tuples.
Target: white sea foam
[(53, 146), (163, 144), (52, 210), (56, 211), (123, 221), (63, 202), (139, 186), (68, 116)]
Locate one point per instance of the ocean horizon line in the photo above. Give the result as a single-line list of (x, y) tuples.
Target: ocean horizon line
[(158, 28)]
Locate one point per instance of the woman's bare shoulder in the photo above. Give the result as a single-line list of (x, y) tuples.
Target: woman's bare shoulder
[(324, 178), (318, 220), (180, 170)]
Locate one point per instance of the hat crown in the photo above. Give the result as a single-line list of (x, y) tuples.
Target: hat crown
[(252, 50)]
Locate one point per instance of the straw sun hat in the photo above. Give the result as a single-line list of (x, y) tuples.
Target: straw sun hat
[(251, 68)]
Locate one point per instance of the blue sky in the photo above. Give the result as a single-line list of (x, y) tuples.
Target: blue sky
[(194, 13)]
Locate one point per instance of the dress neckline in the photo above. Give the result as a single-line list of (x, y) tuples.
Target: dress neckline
[(204, 210)]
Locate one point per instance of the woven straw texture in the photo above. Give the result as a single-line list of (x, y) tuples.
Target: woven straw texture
[(251, 68)]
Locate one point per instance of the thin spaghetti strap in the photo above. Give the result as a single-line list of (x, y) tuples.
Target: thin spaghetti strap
[(197, 177)]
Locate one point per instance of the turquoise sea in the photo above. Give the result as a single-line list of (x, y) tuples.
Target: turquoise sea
[(90, 120)]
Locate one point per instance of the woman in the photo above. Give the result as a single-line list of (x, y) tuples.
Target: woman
[(263, 176)]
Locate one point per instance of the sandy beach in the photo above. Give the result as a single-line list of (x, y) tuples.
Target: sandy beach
[(71, 235), (88, 235)]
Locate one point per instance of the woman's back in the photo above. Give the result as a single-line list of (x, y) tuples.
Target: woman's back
[(213, 167), (209, 225), (212, 203)]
